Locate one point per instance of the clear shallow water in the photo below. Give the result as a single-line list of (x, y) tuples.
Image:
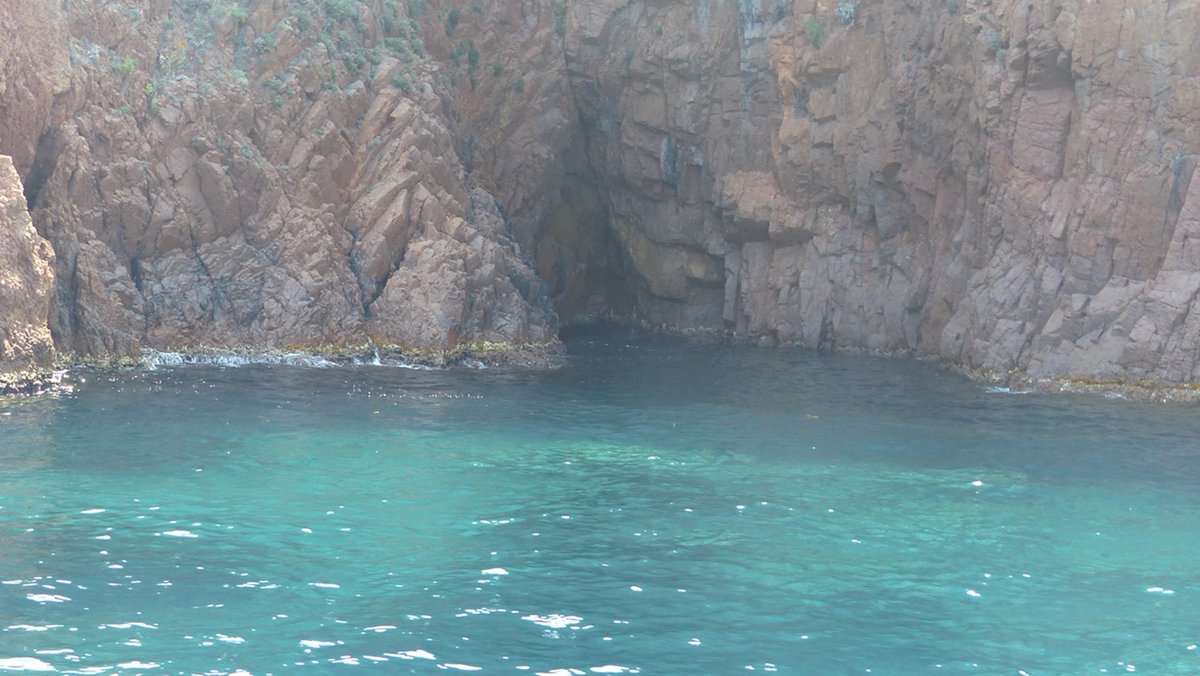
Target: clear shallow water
[(673, 510)]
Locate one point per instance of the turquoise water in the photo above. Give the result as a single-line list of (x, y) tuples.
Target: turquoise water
[(647, 508)]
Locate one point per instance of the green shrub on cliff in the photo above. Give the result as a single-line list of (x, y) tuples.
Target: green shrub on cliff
[(265, 44), (126, 65), (560, 17), (355, 61), (152, 102), (339, 10), (224, 9), (303, 19), (815, 32), (396, 46), (845, 12)]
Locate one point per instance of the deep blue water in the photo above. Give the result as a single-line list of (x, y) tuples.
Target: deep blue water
[(655, 508)]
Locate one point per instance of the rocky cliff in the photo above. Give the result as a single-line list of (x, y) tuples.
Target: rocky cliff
[(261, 175), (26, 283), (1002, 184), (1005, 185)]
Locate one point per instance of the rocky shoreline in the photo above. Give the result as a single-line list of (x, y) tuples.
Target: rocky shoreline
[(478, 355), (1132, 390), (33, 382), (549, 355)]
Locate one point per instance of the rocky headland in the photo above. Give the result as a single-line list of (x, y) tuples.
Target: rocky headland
[(1004, 185)]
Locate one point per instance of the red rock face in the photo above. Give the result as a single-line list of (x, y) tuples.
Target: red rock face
[(26, 282), (1006, 186), (263, 175)]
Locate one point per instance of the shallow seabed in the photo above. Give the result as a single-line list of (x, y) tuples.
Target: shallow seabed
[(652, 508)]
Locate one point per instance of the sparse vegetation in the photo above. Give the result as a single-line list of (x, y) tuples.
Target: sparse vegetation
[(340, 10), (452, 20), (560, 17), (354, 60), (265, 44), (403, 82), (815, 32), (415, 7), (151, 98), (225, 8), (519, 85), (126, 65), (396, 46), (303, 19), (845, 12), (497, 68), (952, 5)]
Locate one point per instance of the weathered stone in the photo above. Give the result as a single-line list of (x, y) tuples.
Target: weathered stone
[(925, 181), (26, 283), (1009, 186)]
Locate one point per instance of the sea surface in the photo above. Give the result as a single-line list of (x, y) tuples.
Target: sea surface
[(647, 508)]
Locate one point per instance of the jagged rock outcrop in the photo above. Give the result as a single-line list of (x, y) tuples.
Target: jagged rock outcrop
[(26, 283), (35, 71), (268, 175), (1004, 184)]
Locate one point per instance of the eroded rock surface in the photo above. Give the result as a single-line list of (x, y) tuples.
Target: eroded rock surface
[(26, 284), (267, 175), (1005, 185)]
